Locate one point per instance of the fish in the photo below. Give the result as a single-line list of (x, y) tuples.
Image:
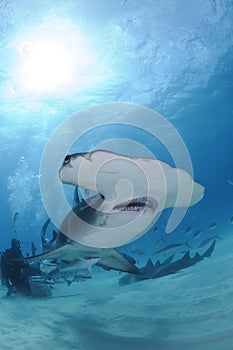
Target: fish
[(80, 268), (131, 192), (46, 267), (72, 250), (159, 242), (15, 219), (77, 278), (213, 226), (187, 230), (80, 264), (231, 220), (123, 2), (230, 182), (173, 248), (197, 234)]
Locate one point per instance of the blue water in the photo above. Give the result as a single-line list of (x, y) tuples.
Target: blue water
[(174, 57)]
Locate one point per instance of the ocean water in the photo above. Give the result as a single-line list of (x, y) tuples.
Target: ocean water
[(173, 57)]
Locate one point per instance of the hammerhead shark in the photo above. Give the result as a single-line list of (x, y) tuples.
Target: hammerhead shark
[(130, 192)]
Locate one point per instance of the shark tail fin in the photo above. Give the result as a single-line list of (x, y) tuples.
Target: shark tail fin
[(115, 261)]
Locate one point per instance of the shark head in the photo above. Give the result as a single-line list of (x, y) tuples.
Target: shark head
[(96, 224), (69, 172), (101, 172)]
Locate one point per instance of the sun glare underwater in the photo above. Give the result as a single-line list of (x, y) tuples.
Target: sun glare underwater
[(141, 79)]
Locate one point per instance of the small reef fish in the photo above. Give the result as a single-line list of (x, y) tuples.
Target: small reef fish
[(213, 226), (197, 234), (47, 267), (77, 278), (173, 248), (159, 242), (15, 219), (187, 230), (80, 264), (81, 270)]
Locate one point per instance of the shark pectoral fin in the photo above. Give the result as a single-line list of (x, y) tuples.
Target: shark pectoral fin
[(58, 253), (115, 261)]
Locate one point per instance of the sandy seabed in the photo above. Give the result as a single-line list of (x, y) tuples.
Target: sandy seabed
[(192, 309)]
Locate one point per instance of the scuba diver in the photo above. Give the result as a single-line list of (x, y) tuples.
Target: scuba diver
[(16, 273)]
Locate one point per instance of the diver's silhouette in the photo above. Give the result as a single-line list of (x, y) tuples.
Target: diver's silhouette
[(15, 271)]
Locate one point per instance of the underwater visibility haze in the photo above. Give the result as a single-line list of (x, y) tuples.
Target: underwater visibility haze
[(84, 60)]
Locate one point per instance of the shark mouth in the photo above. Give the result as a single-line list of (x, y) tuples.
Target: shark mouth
[(137, 205)]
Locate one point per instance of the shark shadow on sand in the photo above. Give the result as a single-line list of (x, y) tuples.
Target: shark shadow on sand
[(168, 267)]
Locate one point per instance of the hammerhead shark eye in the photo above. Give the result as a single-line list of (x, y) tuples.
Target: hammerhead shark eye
[(66, 160)]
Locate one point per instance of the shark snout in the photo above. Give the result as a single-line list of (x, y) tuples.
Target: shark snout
[(60, 174)]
